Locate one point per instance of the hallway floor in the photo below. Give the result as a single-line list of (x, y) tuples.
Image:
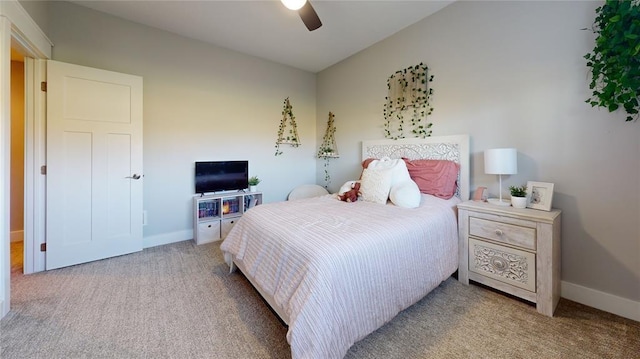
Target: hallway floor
[(17, 256)]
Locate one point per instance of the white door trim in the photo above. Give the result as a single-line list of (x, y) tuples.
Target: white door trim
[(5, 151), (16, 24), (35, 158), (25, 31)]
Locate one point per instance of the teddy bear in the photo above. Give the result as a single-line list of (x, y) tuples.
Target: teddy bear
[(352, 194)]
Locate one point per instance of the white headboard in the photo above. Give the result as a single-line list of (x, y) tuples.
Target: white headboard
[(452, 148)]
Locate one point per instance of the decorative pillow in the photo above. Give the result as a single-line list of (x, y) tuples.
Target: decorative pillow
[(405, 194), (435, 177), (397, 166), (366, 163), (375, 185)]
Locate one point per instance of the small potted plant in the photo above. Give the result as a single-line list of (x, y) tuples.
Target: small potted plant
[(518, 196), (253, 182)]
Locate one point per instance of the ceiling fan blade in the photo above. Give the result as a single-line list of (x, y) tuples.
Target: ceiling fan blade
[(309, 17)]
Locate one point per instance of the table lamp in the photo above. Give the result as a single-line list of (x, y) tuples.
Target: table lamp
[(500, 161)]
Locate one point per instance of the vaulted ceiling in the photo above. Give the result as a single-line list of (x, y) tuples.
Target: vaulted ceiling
[(268, 30)]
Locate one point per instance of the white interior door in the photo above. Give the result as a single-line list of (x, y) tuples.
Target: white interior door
[(94, 164)]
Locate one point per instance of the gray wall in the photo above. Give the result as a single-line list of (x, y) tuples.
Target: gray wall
[(511, 74), (38, 11), (200, 103)]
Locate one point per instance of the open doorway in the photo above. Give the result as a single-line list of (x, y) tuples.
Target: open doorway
[(18, 30), (17, 177)]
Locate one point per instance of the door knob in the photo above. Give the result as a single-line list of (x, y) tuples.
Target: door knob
[(135, 176)]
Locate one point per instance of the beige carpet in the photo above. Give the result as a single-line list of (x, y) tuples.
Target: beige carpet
[(178, 301), (17, 256)]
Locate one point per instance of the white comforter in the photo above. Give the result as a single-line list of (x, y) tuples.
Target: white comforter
[(341, 270)]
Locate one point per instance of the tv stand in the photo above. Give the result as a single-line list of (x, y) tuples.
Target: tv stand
[(215, 214)]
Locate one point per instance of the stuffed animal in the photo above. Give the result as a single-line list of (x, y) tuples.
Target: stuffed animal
[(352, 194)]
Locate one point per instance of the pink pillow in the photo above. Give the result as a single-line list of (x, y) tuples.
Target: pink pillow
[(434, 177)]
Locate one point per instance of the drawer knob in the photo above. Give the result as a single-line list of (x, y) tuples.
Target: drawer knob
[(499, 264), (499, 232)]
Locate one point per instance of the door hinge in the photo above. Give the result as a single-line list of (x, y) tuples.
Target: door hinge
[(43, 86), (43, 170), (43, 247)]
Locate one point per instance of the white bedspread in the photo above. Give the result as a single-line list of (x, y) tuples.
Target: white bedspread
[(341, 270)]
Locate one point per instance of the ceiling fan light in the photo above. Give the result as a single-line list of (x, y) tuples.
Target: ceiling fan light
[(293, 4)]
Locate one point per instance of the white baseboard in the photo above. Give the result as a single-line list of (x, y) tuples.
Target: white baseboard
[(17, 236), (166, 238), (600, 300)]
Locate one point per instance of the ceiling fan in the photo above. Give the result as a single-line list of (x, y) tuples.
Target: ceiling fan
[(307, 13)]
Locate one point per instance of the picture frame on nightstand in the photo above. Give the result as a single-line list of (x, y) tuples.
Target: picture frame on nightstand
[(539, 195), (480, 195)]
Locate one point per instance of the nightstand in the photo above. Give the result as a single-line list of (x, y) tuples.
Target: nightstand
[(516, 251)]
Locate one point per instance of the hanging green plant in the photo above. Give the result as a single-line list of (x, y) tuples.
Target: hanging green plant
[(328, 149), (292, 137), (327, 175), (615, 60), (408, 92)]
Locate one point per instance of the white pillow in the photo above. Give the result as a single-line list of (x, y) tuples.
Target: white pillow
[(400, 173), (405, 194), (375, 185)]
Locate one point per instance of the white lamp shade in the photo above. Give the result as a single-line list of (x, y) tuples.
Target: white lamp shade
[(294, 4), (501, 161)]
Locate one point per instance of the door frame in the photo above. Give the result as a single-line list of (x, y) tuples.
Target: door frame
[(35, 157), (18, 29)]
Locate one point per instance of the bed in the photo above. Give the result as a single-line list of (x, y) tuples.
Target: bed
[(336, 271)]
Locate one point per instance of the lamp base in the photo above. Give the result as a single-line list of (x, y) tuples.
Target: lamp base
[(498, 202)]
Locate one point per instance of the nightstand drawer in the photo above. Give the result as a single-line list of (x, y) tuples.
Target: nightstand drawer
[(524, 237), (505, 264)]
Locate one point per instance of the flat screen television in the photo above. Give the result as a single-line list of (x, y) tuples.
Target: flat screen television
[(215, 176)]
